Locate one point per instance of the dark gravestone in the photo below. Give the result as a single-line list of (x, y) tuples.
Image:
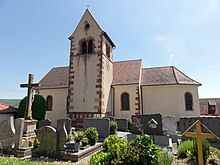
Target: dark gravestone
[(144, 122), (48, 141), (43, 123), (122, 124), (102, 125), (67, 122), (62, 136)]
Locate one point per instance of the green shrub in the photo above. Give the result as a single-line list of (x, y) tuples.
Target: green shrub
[(100, 158), (92, 135), (184, 147), (116, 147), (142, 150), (113, 127), (39, 107), (205, 149), (166, 157)]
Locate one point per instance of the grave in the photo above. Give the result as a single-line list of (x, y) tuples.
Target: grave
[(47, 137), (76, 156), (155, 134), (62, 136), (67, 122), (170, 127), (144, 119), (122, 125), (101, 124), (43, 123), (211, 122)]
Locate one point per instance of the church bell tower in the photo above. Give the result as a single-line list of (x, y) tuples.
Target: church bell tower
[(90, 71)]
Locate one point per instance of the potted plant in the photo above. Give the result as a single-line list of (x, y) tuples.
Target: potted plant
[(84, 141), (74, 139), (92, 135)]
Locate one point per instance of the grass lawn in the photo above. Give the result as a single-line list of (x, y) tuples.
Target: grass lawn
[(16, 161)]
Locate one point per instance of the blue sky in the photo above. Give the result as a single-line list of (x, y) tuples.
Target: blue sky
[(184, 33)]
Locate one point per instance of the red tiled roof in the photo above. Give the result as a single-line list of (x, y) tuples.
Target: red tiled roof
[(5, 109), (165, 76), (55, 78), (126, 72), (204, 104)]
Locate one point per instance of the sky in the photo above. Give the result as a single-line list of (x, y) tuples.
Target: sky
[(184, 33)]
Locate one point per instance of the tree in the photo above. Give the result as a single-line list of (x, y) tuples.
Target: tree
[(39, 107)]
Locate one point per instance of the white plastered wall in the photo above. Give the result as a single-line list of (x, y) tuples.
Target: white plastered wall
[(59, 104), (169, 100)]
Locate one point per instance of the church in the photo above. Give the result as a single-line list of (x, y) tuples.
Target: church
[(93, 85)]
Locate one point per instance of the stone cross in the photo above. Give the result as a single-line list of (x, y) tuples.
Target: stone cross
[(30, 85), (199, 135)]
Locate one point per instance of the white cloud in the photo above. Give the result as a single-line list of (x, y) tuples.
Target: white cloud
[(173, 48)]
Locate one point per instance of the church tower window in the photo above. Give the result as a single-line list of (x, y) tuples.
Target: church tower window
[(84, 47), (125, 103), (188, 101), (49, 103), (90, 46)]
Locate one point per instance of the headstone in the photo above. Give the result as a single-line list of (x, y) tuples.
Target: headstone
[(169, 124), (48, 141), (101, 124), (122, 124), (7, 133), (67, 122), (43, 123), (62, 136), (144, 120), (19, 127)]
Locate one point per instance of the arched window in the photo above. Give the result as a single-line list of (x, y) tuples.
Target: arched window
[(90, 46), (188, 101), (125, 103), (84, 47), (49, 103)]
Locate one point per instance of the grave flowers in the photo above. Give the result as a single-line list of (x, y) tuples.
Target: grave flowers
[(74, 139)]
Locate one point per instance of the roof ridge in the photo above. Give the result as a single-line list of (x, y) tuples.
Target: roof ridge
[(127, 61), (158, 67), (174, 74), (60, 67)]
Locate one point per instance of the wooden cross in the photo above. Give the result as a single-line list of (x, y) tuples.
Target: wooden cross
[(199, 135), (30, 85)]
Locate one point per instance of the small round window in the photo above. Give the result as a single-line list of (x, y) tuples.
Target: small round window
[(87, 25)]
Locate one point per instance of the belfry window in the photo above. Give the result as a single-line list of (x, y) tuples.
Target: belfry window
[(84, 47), (49, 103), (188, 101), (90, 46), (125, 103)]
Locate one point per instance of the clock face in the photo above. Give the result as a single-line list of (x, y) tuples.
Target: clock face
[(107, 65)]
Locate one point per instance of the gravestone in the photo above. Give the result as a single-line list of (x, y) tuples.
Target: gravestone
[(43, 123), (7, 133), (101, 124), (122, 124), (144, 122), (47, 137), (62, 136), (19, 128), (67, 122), (169, 124)]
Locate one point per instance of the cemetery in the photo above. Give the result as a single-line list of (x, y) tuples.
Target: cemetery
[(100, 112)]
